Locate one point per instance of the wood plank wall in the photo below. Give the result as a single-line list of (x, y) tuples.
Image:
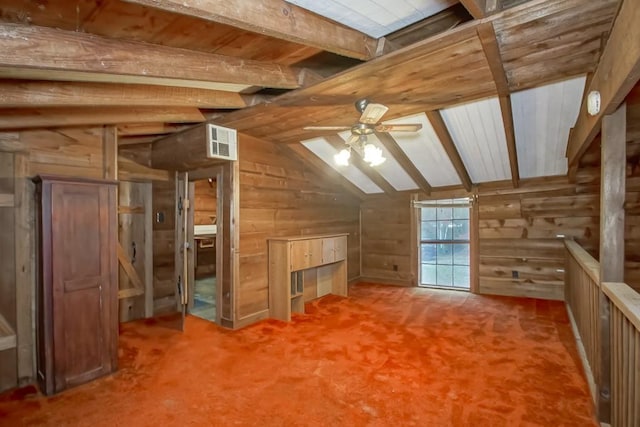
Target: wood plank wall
[(279, 196), (74, 152), (8, 362), (205, 202), (387, 239), (524, 232), (163, 246), (517, 231)]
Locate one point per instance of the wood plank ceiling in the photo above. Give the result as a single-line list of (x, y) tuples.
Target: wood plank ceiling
[(496, 95)]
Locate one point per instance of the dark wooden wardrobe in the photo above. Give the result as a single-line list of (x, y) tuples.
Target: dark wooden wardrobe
[(78, 281)]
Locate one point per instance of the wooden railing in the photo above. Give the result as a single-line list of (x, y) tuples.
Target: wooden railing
[(582, 290), (625, 354), (582, 294)]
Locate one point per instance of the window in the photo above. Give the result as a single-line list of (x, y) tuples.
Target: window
[(444, 243)]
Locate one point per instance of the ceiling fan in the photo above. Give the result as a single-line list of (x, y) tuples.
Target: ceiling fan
[(368, 124)]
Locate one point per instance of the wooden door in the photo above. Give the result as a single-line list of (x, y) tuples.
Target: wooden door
[(83, 281), (182, 255), (315, 252)]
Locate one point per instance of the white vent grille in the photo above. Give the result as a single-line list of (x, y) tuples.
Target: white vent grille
[(222, 143)]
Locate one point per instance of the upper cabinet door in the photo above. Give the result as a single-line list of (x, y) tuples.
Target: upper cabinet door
[(334, 249), (299, 255), (340, 248)]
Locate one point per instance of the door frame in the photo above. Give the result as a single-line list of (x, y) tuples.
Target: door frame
[(226, 239)]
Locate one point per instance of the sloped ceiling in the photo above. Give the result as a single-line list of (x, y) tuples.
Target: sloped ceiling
[(495, 95), (376, 18)]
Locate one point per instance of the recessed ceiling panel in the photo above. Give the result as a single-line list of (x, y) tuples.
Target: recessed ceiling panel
[(377, 18), (390, 170), (478, 133), (324, 150), (542, 118), (425, 151)]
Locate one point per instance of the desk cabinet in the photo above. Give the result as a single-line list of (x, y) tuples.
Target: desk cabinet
[(305, 267), (77, 326)]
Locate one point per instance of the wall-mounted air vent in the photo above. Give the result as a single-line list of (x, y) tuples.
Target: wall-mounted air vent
[(222, 143)]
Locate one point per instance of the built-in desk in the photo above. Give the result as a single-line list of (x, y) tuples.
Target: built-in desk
[(303, 268)]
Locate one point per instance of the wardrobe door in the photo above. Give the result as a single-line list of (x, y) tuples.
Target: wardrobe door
[(83, 284)]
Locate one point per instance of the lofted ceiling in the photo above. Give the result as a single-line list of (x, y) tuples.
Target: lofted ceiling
[(496, 84)]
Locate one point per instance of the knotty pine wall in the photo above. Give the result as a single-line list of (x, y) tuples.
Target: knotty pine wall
[(279, 196)]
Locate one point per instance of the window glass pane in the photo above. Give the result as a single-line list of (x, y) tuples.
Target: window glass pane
[(428, 214), (445, 275), (428, 276), (445, 213), (461, 229), (428, 230), (444, 230), (460, 213), (445, 254), (461, 254), (461, 277), (428, 253)]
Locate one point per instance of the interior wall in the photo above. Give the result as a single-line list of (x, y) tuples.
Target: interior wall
[(77, 152), (205, 202), (518, 232), (279, 196), (387, 240), (8, 361), (522, 234), (163, 196)]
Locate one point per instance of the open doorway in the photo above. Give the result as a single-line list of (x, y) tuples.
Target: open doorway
[(205, 212)]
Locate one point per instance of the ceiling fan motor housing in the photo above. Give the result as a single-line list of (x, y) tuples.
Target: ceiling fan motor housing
[(362, 129)]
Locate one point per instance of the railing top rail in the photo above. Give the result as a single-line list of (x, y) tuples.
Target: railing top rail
[(626, 299), (588, 263)]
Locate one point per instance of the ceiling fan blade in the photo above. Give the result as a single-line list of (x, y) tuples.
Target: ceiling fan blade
[(409, 127), (373, 113), (327, 127)]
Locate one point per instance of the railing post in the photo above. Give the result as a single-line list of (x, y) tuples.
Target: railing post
[(612, 194)]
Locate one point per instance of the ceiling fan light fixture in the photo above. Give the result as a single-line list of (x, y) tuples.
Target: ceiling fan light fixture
[(373, 155), (342, 158)]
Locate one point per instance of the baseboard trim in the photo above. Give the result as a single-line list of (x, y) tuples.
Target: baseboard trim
[(250, 319)]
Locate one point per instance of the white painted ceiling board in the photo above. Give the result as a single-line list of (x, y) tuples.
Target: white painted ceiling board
[(377, 18), (390, 170), (425, 151), (478, 133), (542, 118), (323, 149)]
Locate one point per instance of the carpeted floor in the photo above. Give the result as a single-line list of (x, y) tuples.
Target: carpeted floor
[(385, 356)]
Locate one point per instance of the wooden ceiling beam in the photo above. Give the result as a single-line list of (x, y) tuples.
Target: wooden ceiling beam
[(358, 162), (321, 168), (487, 35), (18, 93), (510, 135), (449, 146), (616, 74), (275, 18), (139, 129), (42, 48), (23, 118), (401, 157), (476, 8)]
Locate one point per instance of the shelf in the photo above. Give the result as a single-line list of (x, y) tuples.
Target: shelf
[(296, 296), (7, 335)]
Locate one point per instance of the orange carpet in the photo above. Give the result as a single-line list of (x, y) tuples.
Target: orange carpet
[(385, 356)]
